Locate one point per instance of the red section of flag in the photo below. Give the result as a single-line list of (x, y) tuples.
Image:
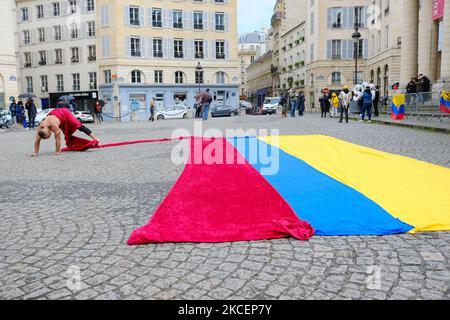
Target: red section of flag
[(221, 203)]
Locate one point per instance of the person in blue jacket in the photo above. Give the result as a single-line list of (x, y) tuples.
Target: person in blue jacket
[(12, 110), (367, 104), (20, 112)]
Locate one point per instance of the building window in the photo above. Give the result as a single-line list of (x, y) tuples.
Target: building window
[(29, 81), (158, 76), (107, 76), (75, 55), (72, 6), (74, 31), (134, 16), (178, 19), (24, 14), (59, 83), (136, 76), (359, 17), (336, 16), (199, 49), (56, 9), (93, 80), (40, 11), (75, 81), (358, 49), (218, 1), (220, 49), (157, 18), (135, 46), (44, 84), (198, 20), (91, 29), (57, 33), (157, 48), (199, 77), (336, 49), (26, 37), (92, 50), (42, 58), (220, 77), (90, 5), (58, 56), (178, 48), (336, 78), (27, 58), (41, 35), (179, 77), (220, 21)]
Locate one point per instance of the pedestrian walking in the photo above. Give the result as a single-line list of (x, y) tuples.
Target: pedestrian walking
[(301, 104), (32, 111), (152, 110), (284, 104), (98, 112), (367, 104), (334, 105), (376, 101), (345, 97), (12, 110), (293, 103), (20, 112), (206, 103)]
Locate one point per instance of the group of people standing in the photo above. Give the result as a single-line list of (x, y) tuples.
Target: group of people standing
[(293, 100), (419, 87), (202, 105), (20, 112), (335, 103)]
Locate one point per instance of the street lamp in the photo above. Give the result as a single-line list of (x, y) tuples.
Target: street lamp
[(356, 36), (199, 70)]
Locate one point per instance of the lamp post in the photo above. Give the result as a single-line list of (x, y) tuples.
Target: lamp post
[(356, 36), (199, 69)]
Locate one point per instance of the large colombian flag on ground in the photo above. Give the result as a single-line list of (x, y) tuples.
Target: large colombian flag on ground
[(298, 186)]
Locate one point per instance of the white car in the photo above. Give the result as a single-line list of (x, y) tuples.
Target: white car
[(270, 105), (177, 111), (84, 116), (42, 115)]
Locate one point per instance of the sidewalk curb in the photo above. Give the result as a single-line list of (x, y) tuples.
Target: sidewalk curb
[(409, 125)]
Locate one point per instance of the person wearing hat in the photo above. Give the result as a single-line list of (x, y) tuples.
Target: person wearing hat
[(345, 98)]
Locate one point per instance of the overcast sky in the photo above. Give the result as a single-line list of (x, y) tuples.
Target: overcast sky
[(254, 14)]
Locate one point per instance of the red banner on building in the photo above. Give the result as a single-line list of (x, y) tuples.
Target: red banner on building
[(438, 9)]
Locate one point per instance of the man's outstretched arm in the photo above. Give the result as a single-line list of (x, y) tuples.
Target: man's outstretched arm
[(57, 142), (37, 143)]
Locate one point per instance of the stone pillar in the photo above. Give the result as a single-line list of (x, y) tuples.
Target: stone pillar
[(428, 43), (445, 64), (410, 40)]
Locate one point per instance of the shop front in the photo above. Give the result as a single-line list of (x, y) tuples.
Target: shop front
[(85, 100), (130, 95)]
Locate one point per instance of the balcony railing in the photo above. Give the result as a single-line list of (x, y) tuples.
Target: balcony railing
[(27, 65), (157, 54)]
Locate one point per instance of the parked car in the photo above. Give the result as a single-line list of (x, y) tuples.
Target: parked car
[(270, 105), (177, 111), (224, 111), (247, 106), (84, 116), (41, 115)]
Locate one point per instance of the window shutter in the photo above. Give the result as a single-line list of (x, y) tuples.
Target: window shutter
[(128, 46), (126, 15), (105, 50), (49, 54), (171, 48), (170, 18), (142, 16), (165, 21), (351, 18), (186, 49), (149, 47), (227, 50), (345, 18), (366, 49), (142, 46), (105, 15), (364, 16), (213, 50), (185, 20), (329, 18), (192, 48), (149, 17), (205, 20), (205, 49), (227, 22), (212, 21), (329, 49), (165, 44)]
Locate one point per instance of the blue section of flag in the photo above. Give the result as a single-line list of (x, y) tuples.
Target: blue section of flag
[(332, 208)]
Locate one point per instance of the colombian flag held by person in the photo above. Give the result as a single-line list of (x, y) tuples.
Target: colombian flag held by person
[(445, 102), (398, 107)]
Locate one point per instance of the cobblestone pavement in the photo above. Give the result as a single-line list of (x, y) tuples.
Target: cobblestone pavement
[(77, 211)]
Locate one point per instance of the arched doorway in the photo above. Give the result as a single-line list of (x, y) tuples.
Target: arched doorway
[(379, 77), (386, 78)]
